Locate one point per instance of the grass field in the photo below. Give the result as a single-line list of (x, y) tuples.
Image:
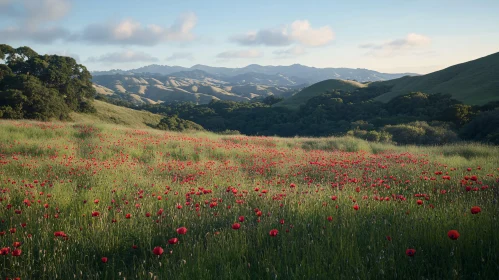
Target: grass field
[(101, 201)]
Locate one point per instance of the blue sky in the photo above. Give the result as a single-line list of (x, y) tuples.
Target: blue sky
[(389, 36)]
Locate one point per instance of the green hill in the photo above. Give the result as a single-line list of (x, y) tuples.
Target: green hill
[(301, 97), (112, 114), (475, 82)]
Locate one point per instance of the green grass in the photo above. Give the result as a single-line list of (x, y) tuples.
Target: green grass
[(475, 82), (111, 114), (303, 96), (65, 164)]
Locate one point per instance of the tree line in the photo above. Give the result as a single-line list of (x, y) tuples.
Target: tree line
[(414, 118), (42, 87)]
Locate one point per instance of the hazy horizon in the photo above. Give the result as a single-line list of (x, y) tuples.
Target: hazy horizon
[(386, 36)]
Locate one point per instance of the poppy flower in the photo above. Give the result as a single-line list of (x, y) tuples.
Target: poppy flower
[(16, 244), (410, 252), (356, 207), (4, 251), (330, 218), (104, 259), (389, 238), (182, 230), (173, 241), (135, 247), (475, 210), (16, 252), (128, 216), (453, 234), (419, 202), (236, 226), (273, 232), (158, 251), (334, 197), (95, 214), (241, 219)]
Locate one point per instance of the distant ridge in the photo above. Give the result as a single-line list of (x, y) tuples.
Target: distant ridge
[(308, 74)]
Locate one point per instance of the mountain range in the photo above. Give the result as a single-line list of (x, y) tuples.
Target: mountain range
[(200, 83)]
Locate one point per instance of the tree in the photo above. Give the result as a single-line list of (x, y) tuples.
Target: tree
[(42, 86)]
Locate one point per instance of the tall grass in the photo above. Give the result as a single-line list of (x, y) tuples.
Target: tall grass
[(291, 181)]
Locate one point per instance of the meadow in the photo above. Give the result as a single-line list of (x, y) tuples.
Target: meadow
[(101, 201)]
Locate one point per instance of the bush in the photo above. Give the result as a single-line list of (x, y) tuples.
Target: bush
[(422, 133), (373, 136), (174, 123), (485, 127)]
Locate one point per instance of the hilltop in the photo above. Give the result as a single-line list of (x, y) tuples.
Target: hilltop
[(319, 88), (475, 82)]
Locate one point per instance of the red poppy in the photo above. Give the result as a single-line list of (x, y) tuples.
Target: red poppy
[(453, 234), (135, 247), (16, 244), (281, 222), (128, 216), (273, 232), (475, 210), (389, 238), (356, 207), (182, 230), (173, 241), (410, 252), (4, 251), (330, 218), (104, 259), (419, 202), (236, 226), (158, 251), (241, 219), (95, 214), (334, 197), (16, 252)]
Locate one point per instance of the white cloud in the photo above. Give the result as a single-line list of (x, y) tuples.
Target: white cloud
[(300, 31), (31, 18), (240, 54), (45, 10), (180, 56), (130, 32), (34, 34), (124, 56), (411, 42), (291, 52)]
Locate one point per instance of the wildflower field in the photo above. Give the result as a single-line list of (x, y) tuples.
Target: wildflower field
[(87, 201)]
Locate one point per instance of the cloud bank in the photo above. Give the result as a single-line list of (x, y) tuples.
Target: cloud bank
[(300, 32)]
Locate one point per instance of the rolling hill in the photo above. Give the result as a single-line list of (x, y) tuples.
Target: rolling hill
[(112, 114), (475, 82), (301, 97), (191, 86)]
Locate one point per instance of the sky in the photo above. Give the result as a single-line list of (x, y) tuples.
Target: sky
[(416, 36)]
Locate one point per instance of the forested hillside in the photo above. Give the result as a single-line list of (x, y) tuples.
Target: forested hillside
[(42, 87)]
